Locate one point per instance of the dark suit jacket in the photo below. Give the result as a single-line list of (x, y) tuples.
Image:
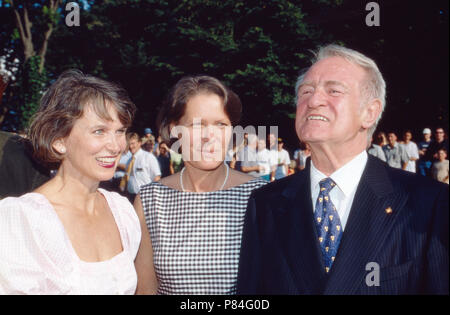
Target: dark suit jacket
[(280, 252), (19, 172)]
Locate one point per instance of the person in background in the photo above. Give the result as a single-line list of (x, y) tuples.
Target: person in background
[(411, 150), (273, 149), (69, 236), (147, 144), (148, 134), (376, 147), (19, 171), (263, 157), (301, 155), (176, 161), (156, 145), (424, 165), (231, 156), (248, 156), (114, 183), (143, 167), (395, 153), (282, 161), (440, 142), (440, 168), (164, 160)]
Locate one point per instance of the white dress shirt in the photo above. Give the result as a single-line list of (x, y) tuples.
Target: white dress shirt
[(280, 157), (347, 179), (145, 169), (265, 160), (413, 152)]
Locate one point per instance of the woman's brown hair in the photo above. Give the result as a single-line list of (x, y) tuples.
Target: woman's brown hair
[(64, 103), (175, 105)]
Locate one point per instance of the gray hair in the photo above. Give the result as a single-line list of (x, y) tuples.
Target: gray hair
[(374, 86)]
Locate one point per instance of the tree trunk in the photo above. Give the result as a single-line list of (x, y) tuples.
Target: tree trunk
[(24, 25)]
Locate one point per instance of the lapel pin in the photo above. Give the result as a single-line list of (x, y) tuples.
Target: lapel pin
[(388, 210)]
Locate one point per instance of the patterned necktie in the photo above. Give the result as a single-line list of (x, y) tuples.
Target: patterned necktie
[(328, 224)]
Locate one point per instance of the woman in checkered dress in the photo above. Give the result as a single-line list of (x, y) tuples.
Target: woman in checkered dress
[(195, 217)]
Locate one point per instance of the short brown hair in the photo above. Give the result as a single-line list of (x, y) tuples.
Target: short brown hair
[(64, 103), (133, 135), (175, 105)]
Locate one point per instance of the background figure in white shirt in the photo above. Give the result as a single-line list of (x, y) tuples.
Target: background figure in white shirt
[(282, 161), (145, 168), (411, 150), (376, 147), (264, 160), (273, 149), (248, 156), (395, 153)]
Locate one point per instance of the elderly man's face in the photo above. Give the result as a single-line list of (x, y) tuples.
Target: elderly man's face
[(329, 103)]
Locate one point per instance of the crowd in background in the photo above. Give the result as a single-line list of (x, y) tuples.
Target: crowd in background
[(271, 161), (428, 157)]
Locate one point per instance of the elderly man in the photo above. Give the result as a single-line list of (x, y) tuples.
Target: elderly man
[(348, 223)]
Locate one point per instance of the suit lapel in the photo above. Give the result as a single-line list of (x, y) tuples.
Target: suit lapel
[(368, 226), (297, 235)]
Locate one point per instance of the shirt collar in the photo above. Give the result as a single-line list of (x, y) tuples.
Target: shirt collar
[(137, 153), (347, 177)]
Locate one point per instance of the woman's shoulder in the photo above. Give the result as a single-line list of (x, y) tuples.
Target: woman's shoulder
[(120, 204), (239, 179), (29, 203)]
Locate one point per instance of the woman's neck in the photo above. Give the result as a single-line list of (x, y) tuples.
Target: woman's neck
[(198, 180)]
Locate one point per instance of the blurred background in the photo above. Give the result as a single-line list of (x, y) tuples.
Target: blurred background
[(257, 47)]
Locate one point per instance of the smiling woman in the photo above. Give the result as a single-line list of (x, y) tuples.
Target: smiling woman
[(68, 236)]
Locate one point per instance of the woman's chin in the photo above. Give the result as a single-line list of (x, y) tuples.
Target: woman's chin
[(206, 165)]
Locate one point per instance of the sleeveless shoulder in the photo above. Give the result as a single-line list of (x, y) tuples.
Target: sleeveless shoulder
[(126, 219)]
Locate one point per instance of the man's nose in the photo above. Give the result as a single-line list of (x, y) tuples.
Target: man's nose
[(317, 98)]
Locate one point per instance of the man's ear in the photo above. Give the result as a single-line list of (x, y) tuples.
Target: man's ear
[(371, 112), (59, 146)]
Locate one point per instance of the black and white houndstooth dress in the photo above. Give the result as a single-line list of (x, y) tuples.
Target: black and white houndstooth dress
[(196, 237)]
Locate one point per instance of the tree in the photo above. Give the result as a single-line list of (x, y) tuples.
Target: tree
[(256, 47), (34, 35)]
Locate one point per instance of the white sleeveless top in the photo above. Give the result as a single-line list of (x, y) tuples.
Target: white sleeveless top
[(37, 257)]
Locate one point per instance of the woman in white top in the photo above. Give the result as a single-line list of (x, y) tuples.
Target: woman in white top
[(68, 236)]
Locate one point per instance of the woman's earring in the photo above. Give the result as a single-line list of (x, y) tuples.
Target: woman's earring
[(62, 150)]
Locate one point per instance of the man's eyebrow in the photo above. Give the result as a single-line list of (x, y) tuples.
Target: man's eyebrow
[(331, 82), (305, 83)]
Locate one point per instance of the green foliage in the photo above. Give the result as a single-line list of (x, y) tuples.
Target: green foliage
[(32, 84), (256, 47)]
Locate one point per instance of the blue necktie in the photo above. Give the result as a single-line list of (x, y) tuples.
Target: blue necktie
[(328, 224)]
